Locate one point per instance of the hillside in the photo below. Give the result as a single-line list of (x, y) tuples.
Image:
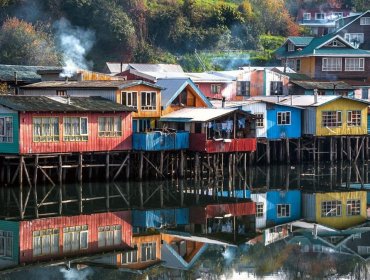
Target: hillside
[(90, 32)]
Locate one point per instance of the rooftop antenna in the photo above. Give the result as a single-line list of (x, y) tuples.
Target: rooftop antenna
[(200, 60)]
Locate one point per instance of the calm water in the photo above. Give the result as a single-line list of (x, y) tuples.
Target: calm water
[(276, 261)]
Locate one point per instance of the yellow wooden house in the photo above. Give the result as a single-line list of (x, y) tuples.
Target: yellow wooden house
[(331, 115), (340, 209)]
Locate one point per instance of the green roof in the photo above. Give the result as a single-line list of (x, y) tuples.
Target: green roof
[(24, 73), (313, 49), (300, 41), (50, 104)]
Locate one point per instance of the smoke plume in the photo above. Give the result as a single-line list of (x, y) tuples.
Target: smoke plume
[(75, 43)]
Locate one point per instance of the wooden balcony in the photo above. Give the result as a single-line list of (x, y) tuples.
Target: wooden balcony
[(200, 143), (160, 141)]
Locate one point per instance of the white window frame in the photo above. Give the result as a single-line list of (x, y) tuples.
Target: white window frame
[(365, 21), (38, 237), (354, 64), (148, 249), (354, 118), (260, 120), (71, 231), (353, 207), (259, 209), (283, 118), (334, 118), (7, 136), (6, 237), (349, 37), (113, 132), (285, 210), (147, 99), (320, 14), (291, 47), (130, 94), (130, 257), (363, 250), (75, 137), (306, 16), (331, 64), (43, 137), (215, 88), (113, 230), (331, 208)]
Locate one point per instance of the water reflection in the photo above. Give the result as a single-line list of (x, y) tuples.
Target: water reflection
[(194, 239)]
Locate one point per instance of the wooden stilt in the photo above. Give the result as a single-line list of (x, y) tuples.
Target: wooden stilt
[(268, 159), (141, 165), (80, 159), (349, 149), (299, 150), (287, 151), (107, 166)]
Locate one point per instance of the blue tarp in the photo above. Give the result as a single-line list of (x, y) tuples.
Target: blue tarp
[(160, 217), (158, 141)]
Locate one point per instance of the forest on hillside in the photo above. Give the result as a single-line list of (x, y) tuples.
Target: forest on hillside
[(88, 33)]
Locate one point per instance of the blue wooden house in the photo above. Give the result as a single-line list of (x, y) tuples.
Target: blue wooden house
[(273, 121), (273, 207), (159, 218)]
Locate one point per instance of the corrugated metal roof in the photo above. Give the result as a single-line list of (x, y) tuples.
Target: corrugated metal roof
[(197, 114), (24, 73), (173, 87), (60, 104), (298, 100), (116, 67), (89, 84), (340, 85), (208, 77), (156, 67), (300, 41)]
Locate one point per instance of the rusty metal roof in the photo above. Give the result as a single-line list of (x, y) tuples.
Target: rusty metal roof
[(25, 103), (337, 85), (89, 84)]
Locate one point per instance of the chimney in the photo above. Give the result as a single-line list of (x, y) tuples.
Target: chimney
[(315, 95), (121, 67), (314, 231), (223, 102)]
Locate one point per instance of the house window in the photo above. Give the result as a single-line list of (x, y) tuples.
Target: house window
[(332, 64), (75, 129), (45, 242), (129, 257), (6, 243), (148, 251), (243, 88), (276, 88), (354, 118), (298, 65), (331, 118), (197, 127), (109, 235), (46, 129), (291, 47), (283, 210), (354, 64), (363, 250), (149, 100), (365, 21), (259, 120), (181, 99), (75, 238), (61, 93), (6, 130), (306, 16), (110, 126), (129, 99), (353, 207), (259, 209), (215, 89), (354, 38), (283, 118), (319, 16), (331, 208)]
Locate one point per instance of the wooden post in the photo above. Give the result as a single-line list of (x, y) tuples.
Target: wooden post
[(318, 149), (60, 169), (36, 167), (331, 150), (141, 165), (107, 166), (20, 170), (314, 149), (80, 167), (287, 151), (128, 162), (196, 167), (268, 159), (349, 156), (299, 150), (181, 163), (20, 199)]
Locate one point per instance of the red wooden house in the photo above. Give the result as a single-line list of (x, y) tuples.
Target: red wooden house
[(66, 237), (215, 130), (40, 124)]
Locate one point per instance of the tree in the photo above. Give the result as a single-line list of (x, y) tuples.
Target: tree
[(23, 43)]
